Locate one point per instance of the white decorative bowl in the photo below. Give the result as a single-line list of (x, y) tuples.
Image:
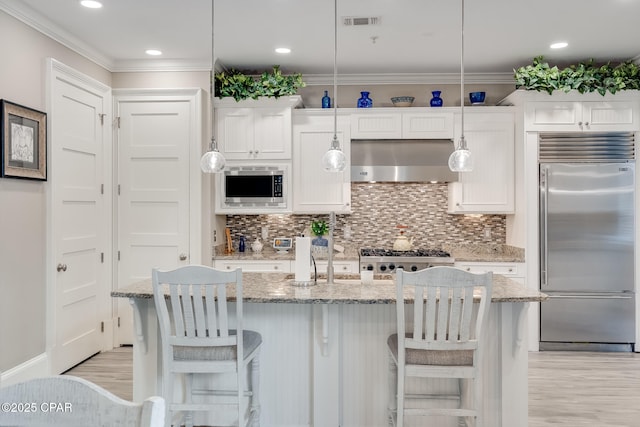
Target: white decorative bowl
[(402, 101)]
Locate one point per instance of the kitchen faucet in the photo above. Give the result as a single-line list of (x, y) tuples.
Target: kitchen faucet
[(332, 225)]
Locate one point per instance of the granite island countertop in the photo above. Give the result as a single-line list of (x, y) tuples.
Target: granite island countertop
[(278, 288)]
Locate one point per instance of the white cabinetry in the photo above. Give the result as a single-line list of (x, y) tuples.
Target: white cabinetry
[(314, 189), (392, 124), (255, 129), (254, 266), (512, 270), (339, 267), (581, 116), (490, 187)]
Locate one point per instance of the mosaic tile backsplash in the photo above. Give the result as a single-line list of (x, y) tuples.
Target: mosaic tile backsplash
[(376, 210)]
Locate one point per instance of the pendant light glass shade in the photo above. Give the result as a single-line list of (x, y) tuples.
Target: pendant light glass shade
[(334, 159), (212, 161), (460, 160)]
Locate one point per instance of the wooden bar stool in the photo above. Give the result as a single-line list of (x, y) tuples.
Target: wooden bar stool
[(443, 340), (191, 302)]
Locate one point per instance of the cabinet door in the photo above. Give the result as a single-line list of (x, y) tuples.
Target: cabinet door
[(610, 116), (272, 133), (314, 189), (553, 116), (376, 125), (234, 132), (427, 125), (490, 187), (514, 271)]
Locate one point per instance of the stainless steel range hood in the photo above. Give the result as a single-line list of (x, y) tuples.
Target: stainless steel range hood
[(401, 160)]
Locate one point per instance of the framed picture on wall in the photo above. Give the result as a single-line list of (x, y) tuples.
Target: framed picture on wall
[(23, 133)]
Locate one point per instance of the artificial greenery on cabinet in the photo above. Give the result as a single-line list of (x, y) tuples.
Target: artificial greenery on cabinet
[(271, 84), (583, 77)]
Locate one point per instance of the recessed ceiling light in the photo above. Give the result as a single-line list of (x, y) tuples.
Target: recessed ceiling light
[(91, 4), (283, 50), (558, 45), (153, 52)]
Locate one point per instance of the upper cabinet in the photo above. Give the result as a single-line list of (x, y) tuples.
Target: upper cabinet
[(490, 187), (390, 123), (576, 112), (255, 129), (314, 189), (581, 116)]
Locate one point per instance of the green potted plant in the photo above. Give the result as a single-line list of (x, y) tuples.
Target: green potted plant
[(319, 245), (271, 84), (583, 77)]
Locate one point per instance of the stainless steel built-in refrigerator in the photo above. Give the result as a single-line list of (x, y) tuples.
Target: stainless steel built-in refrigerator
[(587, 201)]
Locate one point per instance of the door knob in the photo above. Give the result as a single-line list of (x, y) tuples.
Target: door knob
[(61, 267), (183, 256)]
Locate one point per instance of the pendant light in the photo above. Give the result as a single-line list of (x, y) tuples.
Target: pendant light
[(334, 159), (212, 161), (460, 160)]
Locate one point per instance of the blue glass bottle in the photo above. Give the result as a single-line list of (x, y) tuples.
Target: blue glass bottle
[(326, 101), (365, 101), (241, 245), (436, 101)]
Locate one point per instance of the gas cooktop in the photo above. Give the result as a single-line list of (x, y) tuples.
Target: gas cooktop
[(387, 260), (365, 252)]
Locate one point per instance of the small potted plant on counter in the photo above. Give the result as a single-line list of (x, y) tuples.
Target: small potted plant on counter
[(319, 245)]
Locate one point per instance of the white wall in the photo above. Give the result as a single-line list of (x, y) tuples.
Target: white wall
[(23, 214)]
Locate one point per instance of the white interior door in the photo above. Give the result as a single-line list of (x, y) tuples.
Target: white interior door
[(80, 217), (154, 138)]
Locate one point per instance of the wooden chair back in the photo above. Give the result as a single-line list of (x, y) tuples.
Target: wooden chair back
[(69, 401), (443, 315), (191, 302)]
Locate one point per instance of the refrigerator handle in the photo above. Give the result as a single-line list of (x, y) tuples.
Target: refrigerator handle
[(544, 194)]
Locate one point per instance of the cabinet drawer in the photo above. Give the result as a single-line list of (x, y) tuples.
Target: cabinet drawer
[(250, 266), (505, 269), (339, 267)]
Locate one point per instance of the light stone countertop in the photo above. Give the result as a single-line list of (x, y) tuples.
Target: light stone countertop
[(278, 288)]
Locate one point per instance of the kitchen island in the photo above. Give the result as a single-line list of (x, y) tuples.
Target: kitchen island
[(324, 358)]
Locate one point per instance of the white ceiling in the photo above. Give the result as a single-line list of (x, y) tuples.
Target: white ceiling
[(414, 37)]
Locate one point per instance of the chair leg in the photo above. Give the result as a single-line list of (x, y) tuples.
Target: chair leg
[(167, 386), (400, 410), (255, 391), (188, 420), (393, 388)]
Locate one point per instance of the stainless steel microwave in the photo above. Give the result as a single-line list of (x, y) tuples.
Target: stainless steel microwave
[(255, 186)]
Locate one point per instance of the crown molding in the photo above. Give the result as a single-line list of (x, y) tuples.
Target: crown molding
[(409, 78), (40, 23)]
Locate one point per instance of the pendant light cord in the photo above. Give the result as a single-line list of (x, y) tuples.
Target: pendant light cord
[(463, 144), (214, 144), (334, 143)]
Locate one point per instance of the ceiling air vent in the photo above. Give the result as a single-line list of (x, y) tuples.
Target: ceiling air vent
[(355, 21)]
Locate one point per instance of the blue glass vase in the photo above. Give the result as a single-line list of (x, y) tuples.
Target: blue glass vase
[(326, 101), (436, 101), (365, 101)]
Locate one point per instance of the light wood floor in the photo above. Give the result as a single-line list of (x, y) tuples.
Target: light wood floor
[(572, 389)]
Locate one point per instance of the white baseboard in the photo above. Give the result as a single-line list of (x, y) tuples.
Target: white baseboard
[(32, 368)]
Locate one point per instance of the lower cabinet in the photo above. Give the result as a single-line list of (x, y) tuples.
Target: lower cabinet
[(253, 266), (490, 187), (512, 270)]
